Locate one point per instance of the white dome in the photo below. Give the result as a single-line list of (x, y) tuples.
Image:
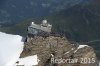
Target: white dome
[(44, 21)]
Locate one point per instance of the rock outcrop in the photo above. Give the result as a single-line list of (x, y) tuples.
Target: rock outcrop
[(58, 51)]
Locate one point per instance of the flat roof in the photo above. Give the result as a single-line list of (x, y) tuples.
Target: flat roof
[(47, 29)]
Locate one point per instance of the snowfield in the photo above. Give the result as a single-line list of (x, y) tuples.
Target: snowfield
[(81, 46), (11, 47), (28, 61)]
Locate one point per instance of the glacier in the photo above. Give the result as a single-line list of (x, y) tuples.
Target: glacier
[(11, 46)]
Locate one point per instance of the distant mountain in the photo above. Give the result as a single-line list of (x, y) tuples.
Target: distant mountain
[(80, 23), (81, 20), (14, 11)]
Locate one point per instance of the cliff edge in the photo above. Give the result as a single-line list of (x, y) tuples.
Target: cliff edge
[(58, 51)]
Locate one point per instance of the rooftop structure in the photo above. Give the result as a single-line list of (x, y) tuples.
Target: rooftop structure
[(38, 28)]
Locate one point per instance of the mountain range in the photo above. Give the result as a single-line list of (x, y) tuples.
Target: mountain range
[(15, 11), (78, 20)]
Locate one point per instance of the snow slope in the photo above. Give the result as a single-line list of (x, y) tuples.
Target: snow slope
[(28, 61), (81, 46), (11, 47)]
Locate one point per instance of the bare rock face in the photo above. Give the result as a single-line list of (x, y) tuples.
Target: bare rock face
[(58, 51)]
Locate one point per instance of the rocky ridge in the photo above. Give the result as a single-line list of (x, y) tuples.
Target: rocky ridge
[(58, 51)]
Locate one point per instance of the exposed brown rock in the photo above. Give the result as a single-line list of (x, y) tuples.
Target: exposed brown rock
[(52, 47)]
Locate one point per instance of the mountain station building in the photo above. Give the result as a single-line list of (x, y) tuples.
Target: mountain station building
[(35, 29)]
